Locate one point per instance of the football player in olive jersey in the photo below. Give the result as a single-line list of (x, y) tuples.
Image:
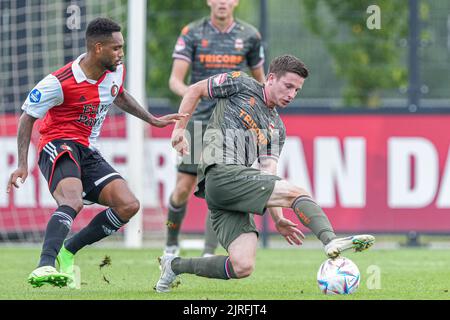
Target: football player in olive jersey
[(215, 44), (237, 174)]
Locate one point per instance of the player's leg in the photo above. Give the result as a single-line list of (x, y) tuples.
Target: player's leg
[(63, 174), (242, 252), (312, 216), (103, 185), (211, 241), (177, 209), (184, 185), (309, 213), (122, 206), (236, 231)]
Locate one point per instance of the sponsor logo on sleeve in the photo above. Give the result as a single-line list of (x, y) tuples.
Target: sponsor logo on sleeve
[(219, 79), (35, 96), (180, 44)]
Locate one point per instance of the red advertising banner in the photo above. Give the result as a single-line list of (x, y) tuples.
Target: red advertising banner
[(378, 173)]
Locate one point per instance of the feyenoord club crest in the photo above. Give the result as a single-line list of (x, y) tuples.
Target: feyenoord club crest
[(114, 90)]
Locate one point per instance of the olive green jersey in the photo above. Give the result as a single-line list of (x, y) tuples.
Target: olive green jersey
[(211, 52), (242, 129)]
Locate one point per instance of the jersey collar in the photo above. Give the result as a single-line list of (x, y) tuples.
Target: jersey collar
[(76, 69), (227, 30), (264, 94), (79, 74)]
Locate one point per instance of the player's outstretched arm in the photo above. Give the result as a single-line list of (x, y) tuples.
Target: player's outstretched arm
[(26, 123), (127, 103), (187, 106), (284, 226)]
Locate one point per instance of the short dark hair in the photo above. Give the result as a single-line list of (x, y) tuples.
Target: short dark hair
[(101, 28), (288, 63)]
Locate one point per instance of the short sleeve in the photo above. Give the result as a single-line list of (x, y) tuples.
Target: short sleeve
[(184, 48), (255, 56), (44, 96), (224, 85)]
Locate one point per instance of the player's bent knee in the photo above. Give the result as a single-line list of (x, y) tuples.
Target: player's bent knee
[(129, 209), (75, 203), (243, 269), (180, 196), (242, 266)]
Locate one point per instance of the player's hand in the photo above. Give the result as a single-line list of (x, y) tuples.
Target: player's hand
[(289, 231), (179, 142), (20, 174), (168, 119)]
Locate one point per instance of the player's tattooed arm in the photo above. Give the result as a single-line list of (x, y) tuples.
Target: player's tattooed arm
[(26, 123), (127, 103)]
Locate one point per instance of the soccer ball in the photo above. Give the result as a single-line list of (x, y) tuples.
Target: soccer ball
[(338, 276)]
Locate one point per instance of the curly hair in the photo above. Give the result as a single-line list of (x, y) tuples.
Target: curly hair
[(101, 28)]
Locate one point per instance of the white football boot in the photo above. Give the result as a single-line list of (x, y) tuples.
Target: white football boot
[(357, 243), (167, 277)]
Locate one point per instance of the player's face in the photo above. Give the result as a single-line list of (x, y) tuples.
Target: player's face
[(222, 9), (112, 52), (284, 89)]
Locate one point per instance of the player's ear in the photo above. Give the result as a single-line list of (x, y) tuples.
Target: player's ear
[(98, 47), (270, 78)]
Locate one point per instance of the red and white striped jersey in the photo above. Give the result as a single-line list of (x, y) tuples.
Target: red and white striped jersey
[(73, 106)]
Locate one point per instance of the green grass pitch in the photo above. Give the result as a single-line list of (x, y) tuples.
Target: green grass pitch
[(280, 274)]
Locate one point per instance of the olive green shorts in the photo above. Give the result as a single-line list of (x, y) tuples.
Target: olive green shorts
[(195, 132), (233, 194)]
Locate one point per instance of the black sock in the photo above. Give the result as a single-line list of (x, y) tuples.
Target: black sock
[(174, 219), (57, 229), (102, 225), (312, 216), (218, 267)]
